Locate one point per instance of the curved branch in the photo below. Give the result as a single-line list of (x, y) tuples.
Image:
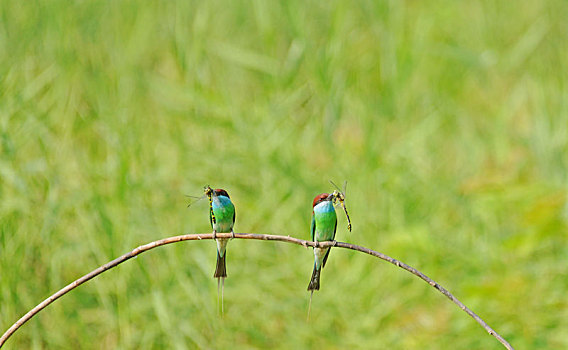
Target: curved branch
[(192, 237)]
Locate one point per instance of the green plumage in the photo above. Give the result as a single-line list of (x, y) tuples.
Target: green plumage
[(323, 228)]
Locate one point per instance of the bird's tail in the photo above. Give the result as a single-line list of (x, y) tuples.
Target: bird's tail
[(221, 281), (310, 304), (221, 268), (315, 281)]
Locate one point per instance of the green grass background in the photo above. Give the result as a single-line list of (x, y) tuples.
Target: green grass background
[(449, 120)]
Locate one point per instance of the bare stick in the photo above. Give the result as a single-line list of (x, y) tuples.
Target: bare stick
[(141, 249)]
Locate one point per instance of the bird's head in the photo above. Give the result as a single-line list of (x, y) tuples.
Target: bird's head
[(215, 192), (322, 198), (221, 192)]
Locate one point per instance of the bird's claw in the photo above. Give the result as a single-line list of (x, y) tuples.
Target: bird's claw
[(334, 243), (232, 234), (214, 234)]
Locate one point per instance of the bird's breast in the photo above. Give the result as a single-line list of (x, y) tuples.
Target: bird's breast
[(224, 212)]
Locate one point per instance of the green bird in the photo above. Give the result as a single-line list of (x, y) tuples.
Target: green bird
[(324, 225), (222, 218), (323, 228)]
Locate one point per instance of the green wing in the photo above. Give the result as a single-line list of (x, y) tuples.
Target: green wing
[(234, 214), (329, 250), (334, 230), (313, 228)]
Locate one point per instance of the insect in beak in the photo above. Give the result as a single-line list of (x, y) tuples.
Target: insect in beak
[(339, 197)]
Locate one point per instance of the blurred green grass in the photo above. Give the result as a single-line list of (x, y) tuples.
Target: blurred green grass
[(448, 119)]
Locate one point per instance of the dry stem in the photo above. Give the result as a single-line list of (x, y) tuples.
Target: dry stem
[(192, 237)]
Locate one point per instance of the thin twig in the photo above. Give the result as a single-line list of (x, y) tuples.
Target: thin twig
[(141, 249)]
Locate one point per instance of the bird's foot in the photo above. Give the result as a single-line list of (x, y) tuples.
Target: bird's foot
[(232, 234), (334, 243), (214, 234)]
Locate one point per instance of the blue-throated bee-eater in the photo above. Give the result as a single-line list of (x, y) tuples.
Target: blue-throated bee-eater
[(222, 218), (323, 228), (324, 225)]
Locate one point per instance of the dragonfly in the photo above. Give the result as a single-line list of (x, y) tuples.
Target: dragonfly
[(339, 197)]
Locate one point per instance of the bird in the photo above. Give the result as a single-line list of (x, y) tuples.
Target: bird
[(323, 227), (222, 218)]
